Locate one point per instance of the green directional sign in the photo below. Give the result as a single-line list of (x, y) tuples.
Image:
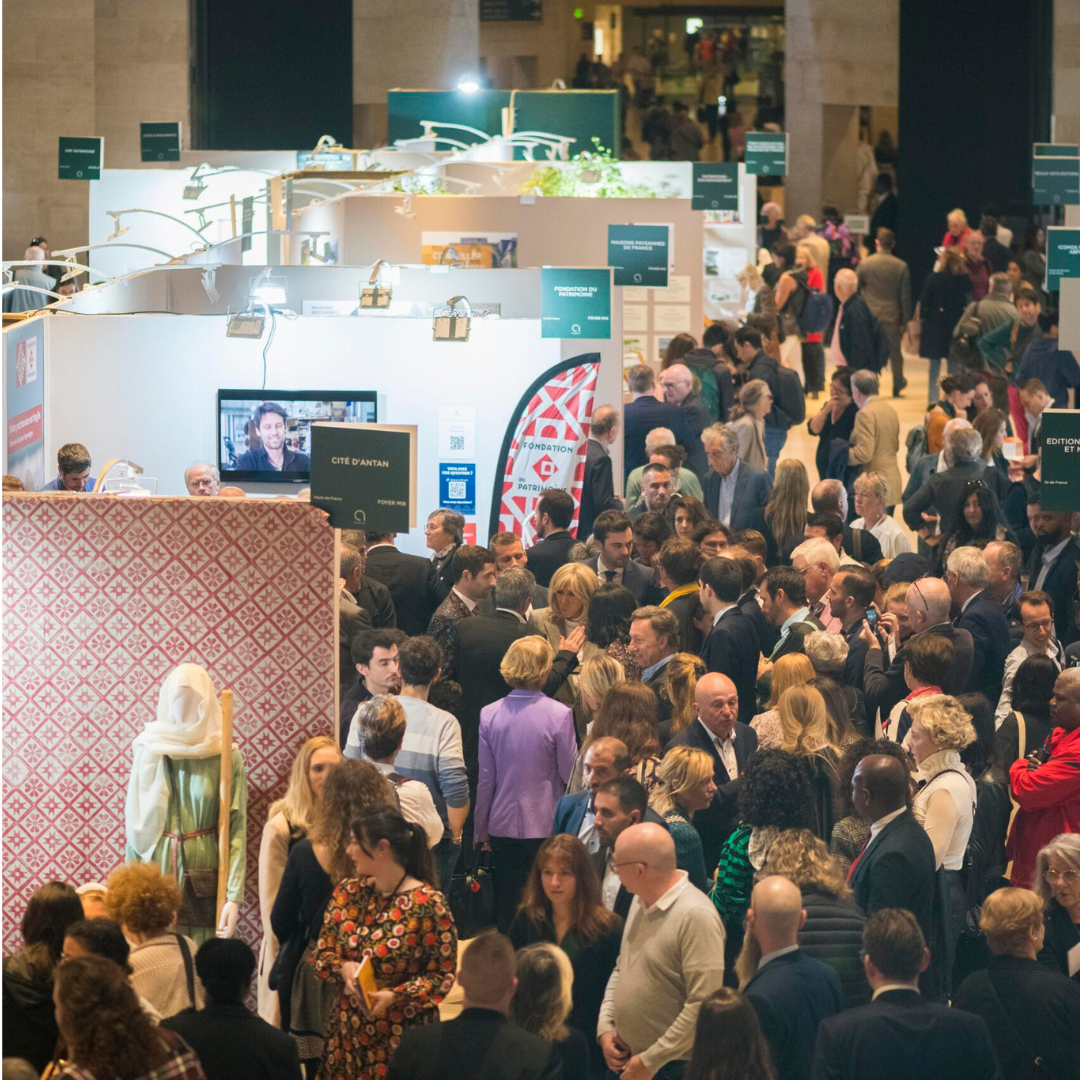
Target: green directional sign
[(1062, 256), (160, 142), (80, 158), (1047, 149), (1060, 433), (639, 254), (716, 186), (575, 303), (1055, 181), (766, 153)]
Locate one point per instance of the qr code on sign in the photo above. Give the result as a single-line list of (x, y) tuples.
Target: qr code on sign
[(456, 489), (457, 442)]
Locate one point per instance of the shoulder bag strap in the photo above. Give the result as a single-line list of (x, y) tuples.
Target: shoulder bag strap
[(1021, 731), (1036, 1059), (189, 968)]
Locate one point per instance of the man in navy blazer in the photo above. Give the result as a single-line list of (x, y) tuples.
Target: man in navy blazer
[(897, 868), (554, 512), (597, 485), (732, 645), (1053, 566), (614, 532), (967, 576), (645, 412), (735, 494), (731, 745), (790, 992), (899, 1035), (605, 759)]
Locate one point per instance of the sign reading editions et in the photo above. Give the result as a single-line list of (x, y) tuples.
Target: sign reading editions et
[(364, 475), (1055, 181), (639, 254), (715, 186), (575, 303), (766, 153), (1060, 430), (1062, 256), (160, 142), (80, 159)]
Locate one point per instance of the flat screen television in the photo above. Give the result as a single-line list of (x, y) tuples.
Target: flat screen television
[(266, 434)]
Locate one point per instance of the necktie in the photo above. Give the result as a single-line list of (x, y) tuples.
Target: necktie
[(609, 574), (862, 851)]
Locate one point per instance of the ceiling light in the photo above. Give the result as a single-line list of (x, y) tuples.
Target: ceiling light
[(468, 84)]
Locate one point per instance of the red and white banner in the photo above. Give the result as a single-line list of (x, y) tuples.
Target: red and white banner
[(547, 448)]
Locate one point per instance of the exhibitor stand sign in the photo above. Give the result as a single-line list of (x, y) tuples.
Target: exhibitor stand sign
[(160, 142), (715, 186), (1060, 431), (1055, 181), (640, 254), (1062, 256), (575, 302), (766, 153), (364, 475), (80, 159)]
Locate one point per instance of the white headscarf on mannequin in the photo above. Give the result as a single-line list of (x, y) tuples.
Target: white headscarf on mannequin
[(188, 725)]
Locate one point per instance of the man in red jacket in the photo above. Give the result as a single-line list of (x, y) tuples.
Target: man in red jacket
[(1048, 793)]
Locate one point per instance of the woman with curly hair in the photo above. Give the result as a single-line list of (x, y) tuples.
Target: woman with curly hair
[(287, 821), (775, 796), (144, 902), (313, 865), (785, 512), (108, 1035), (833, 929), (389, 915), (561, 905)]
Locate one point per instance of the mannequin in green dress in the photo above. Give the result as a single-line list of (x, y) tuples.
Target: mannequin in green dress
[(187, 733)]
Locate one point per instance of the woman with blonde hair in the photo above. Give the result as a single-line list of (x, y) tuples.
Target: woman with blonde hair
[(792, 669), (683, 671), (527, 749), (748, 423), (595, 678), (287, 821), (759, 297), (792, 291), (804, 723), (832, 932), (871, 497), (685, 786), (785, 511), (569, 595)]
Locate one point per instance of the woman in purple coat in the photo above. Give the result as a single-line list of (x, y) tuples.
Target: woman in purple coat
[(527, 751)]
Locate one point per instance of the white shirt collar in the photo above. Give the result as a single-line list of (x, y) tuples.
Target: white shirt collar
[(963, 606), (775, 953), (382, 543), (796, 616), (882, 822), (717, 741), (889, 987), (444, 552), (1052, 553), (722, 612), (671, 895), (470, 604), (602, 568), (733, 475)]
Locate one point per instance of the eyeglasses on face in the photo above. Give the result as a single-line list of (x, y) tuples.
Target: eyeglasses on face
[(630, 862), (1066, 877)]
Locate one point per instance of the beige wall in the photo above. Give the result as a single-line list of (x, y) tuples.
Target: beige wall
[(1067, 71), (82, 67), (532, 55)]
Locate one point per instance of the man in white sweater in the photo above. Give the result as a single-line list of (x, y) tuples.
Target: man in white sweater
[(671, 960)]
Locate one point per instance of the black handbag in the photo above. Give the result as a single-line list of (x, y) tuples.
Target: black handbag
[(198, 888), (472, 896)]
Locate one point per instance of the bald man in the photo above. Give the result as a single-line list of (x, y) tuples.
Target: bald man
[(598, 484), (671, 959), (897, 868), (854, 340), (790, 992), (730, 744), (678, 385)]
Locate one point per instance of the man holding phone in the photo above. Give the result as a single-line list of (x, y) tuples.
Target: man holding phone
[(851, 598)]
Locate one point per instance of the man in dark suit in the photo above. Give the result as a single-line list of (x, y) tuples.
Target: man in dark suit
[(855, 325), (731, 646), (374, 657), (730, 745), (899, 1035), (982, 617), (474, 575), (598, 485), (851, 593), (409, 578), (897, 868), (678, 384), (678, 565), (735, 494), (645, 412), (784, 593), (614, 533), (481, 1041), (943, 492), (887, 214), (480, 645), (790, 992), (654, 640), (554, 512), (373, 596), (748, 599), (444, 533), (606, 759), (509, 555), (229, 1039), (353, 620), (1053, 566)]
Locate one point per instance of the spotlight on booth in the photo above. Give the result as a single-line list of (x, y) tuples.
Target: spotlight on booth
[(195, 186), (374, 295), (452, 322), (246, 324), (468, 84), (269, 289)]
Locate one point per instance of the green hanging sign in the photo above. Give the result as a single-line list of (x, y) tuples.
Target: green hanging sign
[(1055, 181), (575, 303), (715, 186), (1062, 256), (639, 254), (766, 153), (80, 158), (1060, 433), (160, 142), (1047, 149)]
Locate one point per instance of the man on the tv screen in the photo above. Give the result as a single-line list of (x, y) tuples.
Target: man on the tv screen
[(273, 455)]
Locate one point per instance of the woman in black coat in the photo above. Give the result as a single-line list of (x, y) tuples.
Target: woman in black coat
[(833, 929), (835, 419), (1057, 881), (940, 306)]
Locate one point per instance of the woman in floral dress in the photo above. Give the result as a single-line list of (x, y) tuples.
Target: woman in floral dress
[(390, 914)]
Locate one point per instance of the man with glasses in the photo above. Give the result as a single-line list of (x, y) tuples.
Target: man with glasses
[(1046, 784), (671, 959), (1037, 620)]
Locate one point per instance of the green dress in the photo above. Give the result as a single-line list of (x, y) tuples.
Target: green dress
[(198, 780)]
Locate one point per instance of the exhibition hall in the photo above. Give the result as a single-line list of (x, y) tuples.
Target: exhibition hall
[(552, 554)]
